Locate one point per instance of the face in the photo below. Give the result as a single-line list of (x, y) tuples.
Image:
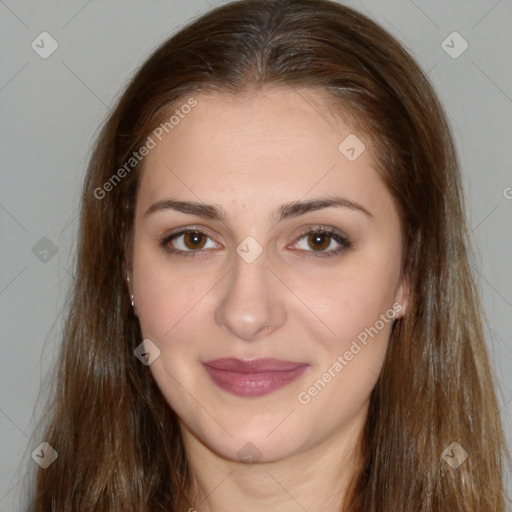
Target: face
[(266, 270)]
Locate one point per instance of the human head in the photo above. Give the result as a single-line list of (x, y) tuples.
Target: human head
[(384, 95)]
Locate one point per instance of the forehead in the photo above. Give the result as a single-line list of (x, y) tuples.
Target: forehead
[(283, 143)]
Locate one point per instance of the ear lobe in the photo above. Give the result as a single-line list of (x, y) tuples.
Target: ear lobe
[(128, 251), (128, 271), (402, 296), (128, 255)]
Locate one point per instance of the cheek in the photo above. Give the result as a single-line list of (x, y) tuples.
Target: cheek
[(163, 307), (350, 301), (164, 298), (357, 309)]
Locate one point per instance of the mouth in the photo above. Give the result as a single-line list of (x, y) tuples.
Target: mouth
[(255, 377)]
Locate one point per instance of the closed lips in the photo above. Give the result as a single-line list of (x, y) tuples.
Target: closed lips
[(253, 365), (255, 377)]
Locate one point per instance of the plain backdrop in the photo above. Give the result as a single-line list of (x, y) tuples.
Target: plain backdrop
[(51, 109)]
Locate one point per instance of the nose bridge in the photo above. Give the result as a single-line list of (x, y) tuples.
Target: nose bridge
[(250, 306)]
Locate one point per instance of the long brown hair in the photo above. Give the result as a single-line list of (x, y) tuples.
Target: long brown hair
[(118, 441)]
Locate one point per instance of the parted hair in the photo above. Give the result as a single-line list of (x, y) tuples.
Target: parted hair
[(118, 440)]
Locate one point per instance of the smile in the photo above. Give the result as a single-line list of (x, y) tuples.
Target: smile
[(256, 377)]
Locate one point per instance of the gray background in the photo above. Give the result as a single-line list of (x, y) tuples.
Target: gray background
[(52, 108)]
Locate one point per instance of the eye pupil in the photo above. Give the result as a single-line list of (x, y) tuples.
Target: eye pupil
[(319, 241), (194, 240)]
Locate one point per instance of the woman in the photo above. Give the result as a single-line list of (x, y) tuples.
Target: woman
[(274, 305)]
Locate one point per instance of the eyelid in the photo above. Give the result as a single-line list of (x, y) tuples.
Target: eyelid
[(166, 239), (322, 228), (187, 229), (334, 233)]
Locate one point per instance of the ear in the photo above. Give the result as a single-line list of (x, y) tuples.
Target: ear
[(127, 268), (402, 296)]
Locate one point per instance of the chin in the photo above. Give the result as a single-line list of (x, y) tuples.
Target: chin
[(251, 442)]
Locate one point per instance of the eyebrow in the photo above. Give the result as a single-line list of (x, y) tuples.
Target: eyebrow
[(287, 210)]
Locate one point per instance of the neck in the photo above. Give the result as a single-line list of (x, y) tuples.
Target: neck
[(315, 479)]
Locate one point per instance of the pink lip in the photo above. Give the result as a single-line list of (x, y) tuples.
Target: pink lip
[(255, 377)]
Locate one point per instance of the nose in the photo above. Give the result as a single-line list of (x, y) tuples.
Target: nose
[(250, 306)]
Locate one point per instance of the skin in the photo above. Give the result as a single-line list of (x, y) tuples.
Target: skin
[(249, 154)]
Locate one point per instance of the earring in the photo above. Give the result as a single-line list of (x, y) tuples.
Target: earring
[(132, 300)]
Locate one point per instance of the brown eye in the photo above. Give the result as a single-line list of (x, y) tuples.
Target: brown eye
[(319, 241), (323, 241), (194, 240), (189, 242)]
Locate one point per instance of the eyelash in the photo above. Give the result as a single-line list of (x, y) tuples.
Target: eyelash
[(342, 240), (321, 230), (195, 254)]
